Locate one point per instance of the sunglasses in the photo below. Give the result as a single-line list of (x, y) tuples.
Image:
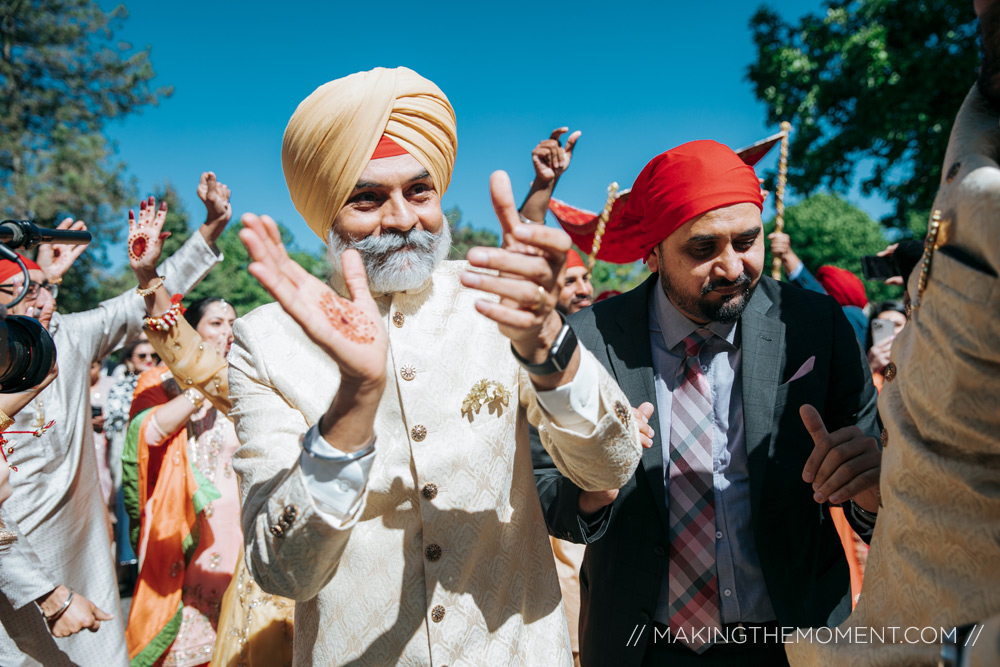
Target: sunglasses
[(32, 291), (147, 355)]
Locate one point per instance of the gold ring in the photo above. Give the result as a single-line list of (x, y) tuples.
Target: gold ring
[(542, 297)]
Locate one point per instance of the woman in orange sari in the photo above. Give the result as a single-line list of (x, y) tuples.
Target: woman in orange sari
[(186, 499)]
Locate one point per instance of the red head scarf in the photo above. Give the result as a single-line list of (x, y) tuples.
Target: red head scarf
[(843, 286), (9, 268), (682, 184), (573, 259)]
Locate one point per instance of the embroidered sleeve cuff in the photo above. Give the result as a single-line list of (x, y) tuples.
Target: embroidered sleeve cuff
[(575, 406), (335, 480)]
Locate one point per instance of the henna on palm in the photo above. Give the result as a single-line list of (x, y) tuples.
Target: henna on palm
[(347, 318)]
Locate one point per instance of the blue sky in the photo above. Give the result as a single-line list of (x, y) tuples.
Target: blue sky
[(636, 78)]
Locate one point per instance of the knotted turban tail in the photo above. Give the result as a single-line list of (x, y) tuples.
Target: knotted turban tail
[(334, 132)]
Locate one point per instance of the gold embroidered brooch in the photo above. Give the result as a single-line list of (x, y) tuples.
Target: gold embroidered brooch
[(490, 393)]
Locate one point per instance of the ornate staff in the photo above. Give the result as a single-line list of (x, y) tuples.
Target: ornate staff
[(601, 223), (779, 193)]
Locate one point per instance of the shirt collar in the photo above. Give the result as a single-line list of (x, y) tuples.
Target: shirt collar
[(674, 326)]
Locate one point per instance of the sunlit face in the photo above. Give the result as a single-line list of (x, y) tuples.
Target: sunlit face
[(216, 326), (576, 292), (898, 320), (11, 287), (394, 219), (710, 266), (143, 357)]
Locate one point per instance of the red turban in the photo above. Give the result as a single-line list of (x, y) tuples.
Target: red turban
[(573, 259), (9, 268), (683, 183), (843, 286)]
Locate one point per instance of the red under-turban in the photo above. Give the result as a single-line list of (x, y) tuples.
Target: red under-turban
[(842, 285), (573, 259), (9, 268)]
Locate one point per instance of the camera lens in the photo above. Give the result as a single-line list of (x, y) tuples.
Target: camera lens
[(26, 353)]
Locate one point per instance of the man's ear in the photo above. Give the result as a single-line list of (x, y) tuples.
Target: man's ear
[(653, 260)]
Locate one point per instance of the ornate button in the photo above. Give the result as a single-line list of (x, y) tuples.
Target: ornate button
[(189, 381), (398, 319), (889, 372), (621, 412), (885, 438), (953, 172), (418, 432), (437, 614), (408, 372), (430, 491), (433, 553), (289, 514), (277, 530)]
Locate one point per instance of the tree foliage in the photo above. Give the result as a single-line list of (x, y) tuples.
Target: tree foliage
[(63, 76), (826, 229), (464, 236), (872, 83)]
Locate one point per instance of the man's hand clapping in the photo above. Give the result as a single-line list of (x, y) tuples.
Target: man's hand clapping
[(218, 209), (56, 258)]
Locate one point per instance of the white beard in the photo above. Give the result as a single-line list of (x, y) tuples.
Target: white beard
[(394, 262)]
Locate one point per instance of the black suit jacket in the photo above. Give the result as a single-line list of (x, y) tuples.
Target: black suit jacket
[(805, 570)]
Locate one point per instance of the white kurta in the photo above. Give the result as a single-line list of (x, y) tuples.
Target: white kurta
[(56, 502), (446, 561)]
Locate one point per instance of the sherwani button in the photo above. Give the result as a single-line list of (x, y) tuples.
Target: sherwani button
[(408, 372), (430, 491), (885, 438), (621, 412), (890, 372), (289, 514), (418, 432), (433, 552), (277, 530), (398, 319), (437, 614)]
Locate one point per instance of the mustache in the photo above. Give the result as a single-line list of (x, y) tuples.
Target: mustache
[(722, 283), (391, 241)]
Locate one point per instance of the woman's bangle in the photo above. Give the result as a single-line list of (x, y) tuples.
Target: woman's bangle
[(192, 395), (59, 612), (154, 285), (165, 321)]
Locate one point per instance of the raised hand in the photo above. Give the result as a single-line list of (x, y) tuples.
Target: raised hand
[(844, 465), (218, 209), (550, 158), (56, 258), (349, 330), (145, 238), (529, 263)]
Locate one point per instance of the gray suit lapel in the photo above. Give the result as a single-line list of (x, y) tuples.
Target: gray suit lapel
[(632, 365), (763, 346)]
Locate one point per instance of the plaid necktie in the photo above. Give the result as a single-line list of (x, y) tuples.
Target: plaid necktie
[(694, 585)]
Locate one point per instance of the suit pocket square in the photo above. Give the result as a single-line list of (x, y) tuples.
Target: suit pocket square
[(804, 370)]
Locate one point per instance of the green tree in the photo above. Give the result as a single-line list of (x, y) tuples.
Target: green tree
[(621, 277), (826, 229), (464, 236), (871, 83), (63, 75)]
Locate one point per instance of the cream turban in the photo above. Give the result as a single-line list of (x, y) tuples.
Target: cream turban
[(333, 133)]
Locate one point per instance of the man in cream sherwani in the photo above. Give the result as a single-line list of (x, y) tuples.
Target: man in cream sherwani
[(385, 468)]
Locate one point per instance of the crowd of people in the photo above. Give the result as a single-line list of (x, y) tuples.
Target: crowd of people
[(430, 462)]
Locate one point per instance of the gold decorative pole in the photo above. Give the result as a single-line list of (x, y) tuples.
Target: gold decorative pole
[(601, 223), (779, 194)]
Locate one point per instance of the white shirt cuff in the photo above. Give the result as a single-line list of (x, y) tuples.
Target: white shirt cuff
[(335, 480), (575, 406)]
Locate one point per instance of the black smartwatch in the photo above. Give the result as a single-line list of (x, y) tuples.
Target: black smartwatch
[(560, 353)]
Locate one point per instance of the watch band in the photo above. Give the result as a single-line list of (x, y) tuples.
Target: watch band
[(560, 353)]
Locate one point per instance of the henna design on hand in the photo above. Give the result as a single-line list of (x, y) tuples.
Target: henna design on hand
[(347, 318), (137, 246)]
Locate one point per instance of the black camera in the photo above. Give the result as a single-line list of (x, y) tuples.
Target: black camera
[(26, 353)]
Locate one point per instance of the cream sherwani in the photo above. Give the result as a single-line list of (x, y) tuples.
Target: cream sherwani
[(446, 560), (935, 555), (56, 503)]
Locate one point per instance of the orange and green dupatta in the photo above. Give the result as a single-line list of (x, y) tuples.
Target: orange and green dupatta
[(164, 493)]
